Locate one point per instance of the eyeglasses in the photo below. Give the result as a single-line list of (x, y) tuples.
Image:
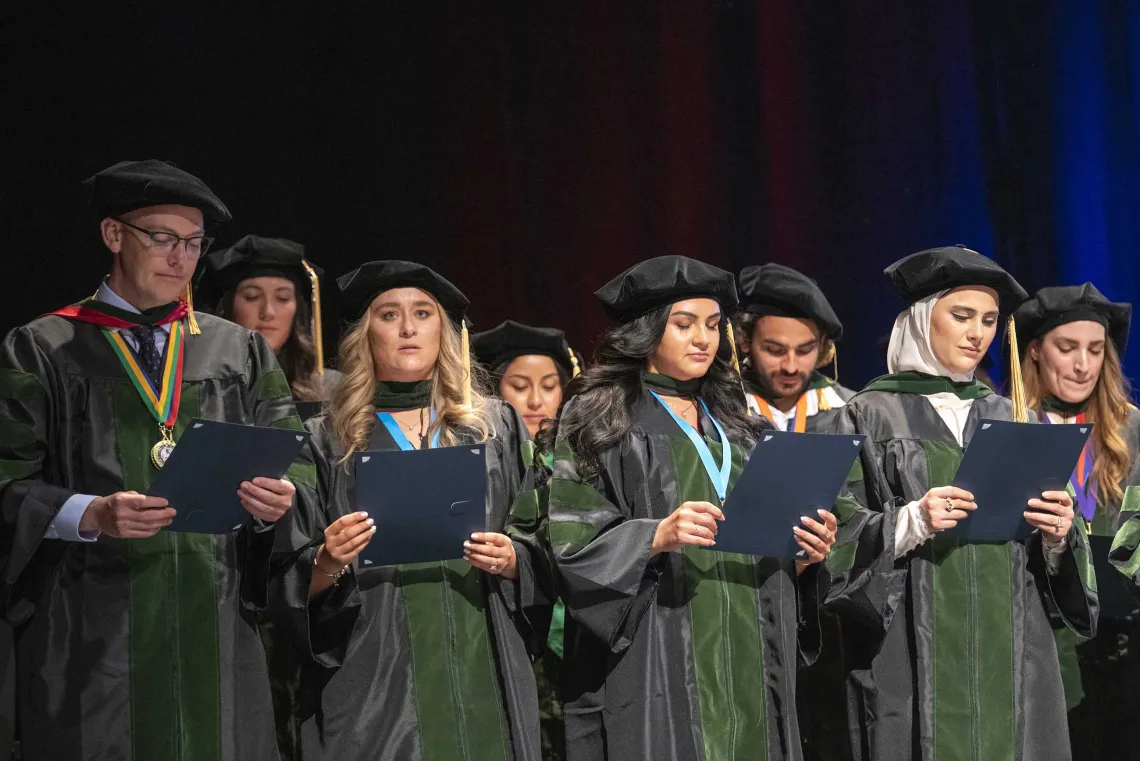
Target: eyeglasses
[(163, 243)]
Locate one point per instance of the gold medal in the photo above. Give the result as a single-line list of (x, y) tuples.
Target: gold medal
[(161, 451)]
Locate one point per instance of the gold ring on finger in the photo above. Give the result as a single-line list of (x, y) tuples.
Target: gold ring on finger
[(949, 505)]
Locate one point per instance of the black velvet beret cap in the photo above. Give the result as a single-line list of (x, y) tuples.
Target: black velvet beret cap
[(665, 280), (773, 289)]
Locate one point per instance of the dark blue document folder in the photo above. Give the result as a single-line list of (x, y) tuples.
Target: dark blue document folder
[(425, 503), (789, 475), (202, 476), (1006, 465)]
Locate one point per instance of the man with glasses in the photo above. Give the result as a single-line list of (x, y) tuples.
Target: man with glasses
[(134, 642)]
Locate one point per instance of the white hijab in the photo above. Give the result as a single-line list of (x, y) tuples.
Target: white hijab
[(910, 350), (910, 342)]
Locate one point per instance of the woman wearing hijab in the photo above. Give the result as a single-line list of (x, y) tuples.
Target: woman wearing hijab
[(679, 651), (1072, 340), (948, 646), (268, 286), (424, 661)]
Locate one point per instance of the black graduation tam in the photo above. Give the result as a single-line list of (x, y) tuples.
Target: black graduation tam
[(513, 339), (1059, 305), (131, 185), (359, 287), (665, 280), (779, 291), (939, 269), (253, 256)]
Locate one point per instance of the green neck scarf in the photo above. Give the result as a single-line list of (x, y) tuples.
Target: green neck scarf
[(667, 386), (391, 396), (912, 382), (145, 317), (1064, 409)]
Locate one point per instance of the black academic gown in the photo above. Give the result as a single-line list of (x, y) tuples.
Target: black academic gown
[(949, 649), (413, 662), (1102, 706), (139, 648), (684, 656)]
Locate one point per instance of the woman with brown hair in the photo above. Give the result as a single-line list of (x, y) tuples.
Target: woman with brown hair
[(1072, 341), (268, 286), (420, 661)]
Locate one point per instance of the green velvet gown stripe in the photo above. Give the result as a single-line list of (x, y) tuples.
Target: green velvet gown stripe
[(445, 610), (974, 717), (173, 610), (724, 616)]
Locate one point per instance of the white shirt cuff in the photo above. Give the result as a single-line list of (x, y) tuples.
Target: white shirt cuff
[(910, 529), (66, 523)]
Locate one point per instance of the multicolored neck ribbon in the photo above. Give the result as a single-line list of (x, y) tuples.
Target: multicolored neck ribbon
[(1085, 483), (161, 402)]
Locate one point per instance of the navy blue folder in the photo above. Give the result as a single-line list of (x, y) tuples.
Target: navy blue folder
[(202, 476), (1006, 465), (425, 503), (789, 475)]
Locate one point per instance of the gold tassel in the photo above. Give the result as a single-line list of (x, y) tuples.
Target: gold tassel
[(831, 358), (1016, 383), (736, 364), (575, 368), (465, 348), (191, 320), (315, 323)]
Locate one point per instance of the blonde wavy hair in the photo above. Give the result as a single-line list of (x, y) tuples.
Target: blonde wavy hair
[(1108, 407), (352, 413)]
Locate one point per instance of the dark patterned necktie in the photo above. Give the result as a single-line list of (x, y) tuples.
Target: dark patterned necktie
[(149, 357)]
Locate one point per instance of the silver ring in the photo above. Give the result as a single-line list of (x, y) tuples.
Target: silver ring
[(494, 567), (1059, 522)]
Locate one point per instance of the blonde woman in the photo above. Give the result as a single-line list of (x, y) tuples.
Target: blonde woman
[(424, 661), (1072, 341)]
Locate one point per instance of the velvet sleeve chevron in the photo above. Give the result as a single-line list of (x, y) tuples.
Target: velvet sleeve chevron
[(273, 407), (606, 576), (1125, 552), (530, 599), (29, 501), (865, 584)]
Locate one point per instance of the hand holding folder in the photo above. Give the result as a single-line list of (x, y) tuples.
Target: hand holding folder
[(789, 475), (1006, 465), (425, 503), (201, 478)]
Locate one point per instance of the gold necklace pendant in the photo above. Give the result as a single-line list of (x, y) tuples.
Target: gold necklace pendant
[(161, 451)]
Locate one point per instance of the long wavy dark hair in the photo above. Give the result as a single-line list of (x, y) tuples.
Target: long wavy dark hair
[(298, 357), (611, 387)]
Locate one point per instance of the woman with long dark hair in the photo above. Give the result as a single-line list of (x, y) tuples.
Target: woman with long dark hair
[(947, 642), (530, 368), (679, 651), (422, 661), (1072, 340), (268, 286)]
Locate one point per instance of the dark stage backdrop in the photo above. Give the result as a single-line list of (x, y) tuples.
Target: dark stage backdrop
[(530, 151)]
